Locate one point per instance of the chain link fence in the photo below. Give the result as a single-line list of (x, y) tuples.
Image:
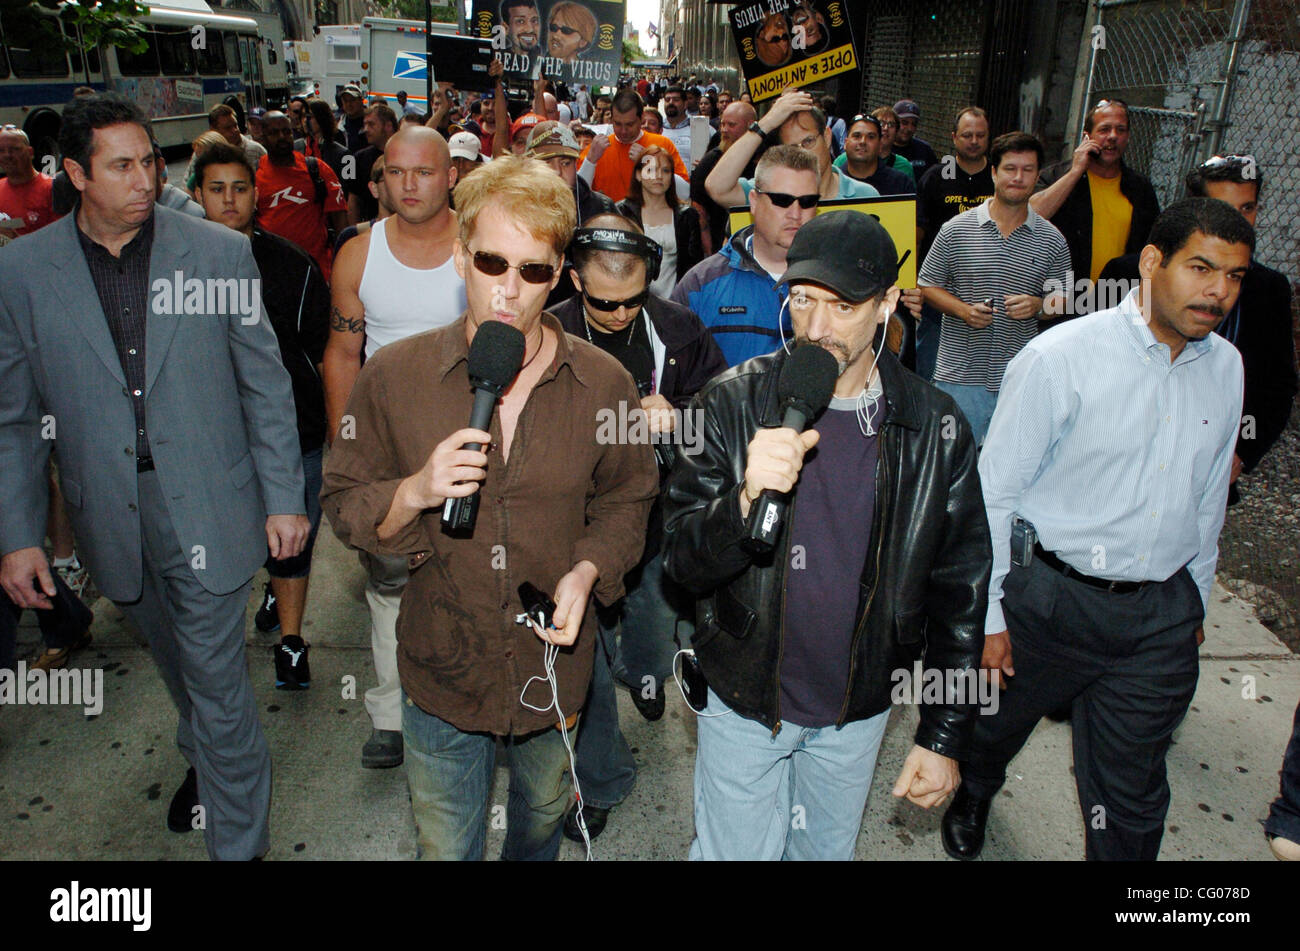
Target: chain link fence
[(1171, 61)]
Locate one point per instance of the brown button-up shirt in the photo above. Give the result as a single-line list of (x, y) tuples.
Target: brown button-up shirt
[(563, 497)]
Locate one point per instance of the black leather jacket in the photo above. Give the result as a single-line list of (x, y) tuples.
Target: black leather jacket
[(923, 590)]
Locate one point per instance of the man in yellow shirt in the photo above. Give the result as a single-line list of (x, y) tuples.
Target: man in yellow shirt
[(607, 164), (1104, 208)]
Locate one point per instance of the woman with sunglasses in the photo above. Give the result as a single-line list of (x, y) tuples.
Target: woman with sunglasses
[(653, 204), (571, 27)]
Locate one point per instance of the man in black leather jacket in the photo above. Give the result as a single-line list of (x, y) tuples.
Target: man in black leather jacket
[(804, 651)]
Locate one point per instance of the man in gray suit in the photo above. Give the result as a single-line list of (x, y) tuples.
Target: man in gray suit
[(134, 335)]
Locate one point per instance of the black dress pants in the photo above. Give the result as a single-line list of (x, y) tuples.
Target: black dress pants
[(1127, 665)]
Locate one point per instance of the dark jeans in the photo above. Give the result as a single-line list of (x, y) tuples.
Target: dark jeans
[(61, 625), (1284, 815), (927, 341), (1128, 664)]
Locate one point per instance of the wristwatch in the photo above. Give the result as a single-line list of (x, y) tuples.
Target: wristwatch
[(755, 127)]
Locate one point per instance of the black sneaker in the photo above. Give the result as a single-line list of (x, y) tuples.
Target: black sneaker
[(267, 618), (291, 670)]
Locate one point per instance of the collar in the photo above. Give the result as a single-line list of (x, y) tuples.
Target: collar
[(141, 243), (1034, 221), (1130, 316), (453, 349)]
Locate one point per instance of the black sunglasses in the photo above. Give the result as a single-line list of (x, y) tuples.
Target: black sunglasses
[(494, 265), (784, 200), (561, 28), (608, 306)]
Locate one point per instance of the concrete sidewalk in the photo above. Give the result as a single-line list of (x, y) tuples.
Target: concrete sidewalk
[(98, 788)]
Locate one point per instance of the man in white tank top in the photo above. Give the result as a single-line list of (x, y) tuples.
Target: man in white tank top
[(395, 280)]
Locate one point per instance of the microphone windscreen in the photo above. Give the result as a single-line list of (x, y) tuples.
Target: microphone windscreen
[(807, 380), (496, 354)]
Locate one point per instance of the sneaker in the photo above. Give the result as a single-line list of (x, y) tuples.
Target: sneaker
[(74, 576), (291, 670), (267, 619)]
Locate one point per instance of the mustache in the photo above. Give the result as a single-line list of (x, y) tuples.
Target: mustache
[(1214, 309)]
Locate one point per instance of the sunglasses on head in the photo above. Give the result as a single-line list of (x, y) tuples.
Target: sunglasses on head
[(784, 200), (494, 265), (1220, 161), (608, 306), (561, 28)]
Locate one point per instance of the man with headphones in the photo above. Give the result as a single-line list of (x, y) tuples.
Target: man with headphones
[(670, 355), (803, 648)]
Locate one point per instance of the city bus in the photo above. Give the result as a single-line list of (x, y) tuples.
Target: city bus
[(174, 82)]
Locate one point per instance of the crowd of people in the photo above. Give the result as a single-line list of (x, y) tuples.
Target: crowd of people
[(1008, 511)]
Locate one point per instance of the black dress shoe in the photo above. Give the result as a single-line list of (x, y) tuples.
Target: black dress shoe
[(963, 825), (653, 708), (594, 816), (180, 814)]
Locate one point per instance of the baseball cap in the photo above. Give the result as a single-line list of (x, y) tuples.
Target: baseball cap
[(527, 120), (846, 251), (351, 89), (906, 107), (551, 139), (465, 145), (257, 112)]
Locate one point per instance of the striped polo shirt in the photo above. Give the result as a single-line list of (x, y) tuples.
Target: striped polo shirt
[(973, 261)]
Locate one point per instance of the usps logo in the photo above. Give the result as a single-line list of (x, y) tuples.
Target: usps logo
[(409, 66)]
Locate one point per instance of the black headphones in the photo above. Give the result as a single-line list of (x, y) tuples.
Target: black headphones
[(623, 242)]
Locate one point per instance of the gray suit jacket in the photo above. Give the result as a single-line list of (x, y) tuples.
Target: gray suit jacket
[(219, 407)]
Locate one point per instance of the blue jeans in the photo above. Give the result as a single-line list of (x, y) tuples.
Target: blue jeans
[(798, 795), (1284, 815), (976, 403), (450, 775), (637, 649), (927, 341)]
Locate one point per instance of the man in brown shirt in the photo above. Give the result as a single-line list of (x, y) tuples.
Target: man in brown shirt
[(559, 510)]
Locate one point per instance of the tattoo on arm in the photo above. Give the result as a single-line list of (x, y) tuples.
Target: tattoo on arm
[(354, 325)]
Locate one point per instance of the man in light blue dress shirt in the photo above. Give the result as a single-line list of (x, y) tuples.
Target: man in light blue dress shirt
[(1113, 438)]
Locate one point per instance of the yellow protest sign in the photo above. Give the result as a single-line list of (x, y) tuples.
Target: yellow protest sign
[(896, 214)]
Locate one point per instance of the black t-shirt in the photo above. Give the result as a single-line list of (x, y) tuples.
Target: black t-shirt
[(940, 199), (887, 181), (622, 344), (297, 302), (919, 153), (359, 184), (716, 213)]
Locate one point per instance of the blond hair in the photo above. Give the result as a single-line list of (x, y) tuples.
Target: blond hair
[(575, 15), (205, 141), (526, 191)]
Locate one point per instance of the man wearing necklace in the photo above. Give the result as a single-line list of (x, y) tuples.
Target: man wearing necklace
[(800, 649), (670, 355), (560, 509)]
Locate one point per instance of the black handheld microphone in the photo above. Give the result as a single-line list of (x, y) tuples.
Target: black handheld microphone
[(641, 366), (495, 356), (805, 387)]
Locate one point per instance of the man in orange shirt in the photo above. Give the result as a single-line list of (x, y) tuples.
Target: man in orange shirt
[(26, 195), (607, 164), (288, 203)]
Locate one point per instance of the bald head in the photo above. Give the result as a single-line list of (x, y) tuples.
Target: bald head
[(16, 157), (418, 175), (736, 118), (552, 106), (418, 145)]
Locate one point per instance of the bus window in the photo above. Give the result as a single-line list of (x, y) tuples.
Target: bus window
[(232, 53), (31, 53), (212, 58), (140, 64), (92, 59), (175, 54)]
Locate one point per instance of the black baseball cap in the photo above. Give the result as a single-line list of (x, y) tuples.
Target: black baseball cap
[(846, 251)]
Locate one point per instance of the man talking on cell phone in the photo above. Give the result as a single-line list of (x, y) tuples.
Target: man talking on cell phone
[(800, 647), (559, 509)]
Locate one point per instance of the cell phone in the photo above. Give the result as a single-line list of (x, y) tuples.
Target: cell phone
[(697, 689), (537, 605), (1023, 540)]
